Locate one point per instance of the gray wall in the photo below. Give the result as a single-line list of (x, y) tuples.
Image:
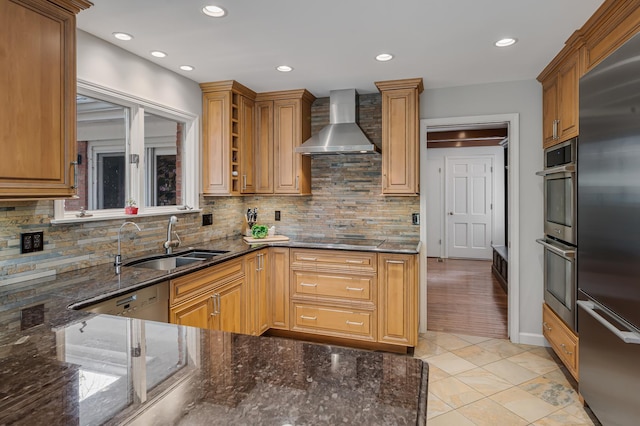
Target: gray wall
[(524, 98), (107, 65)]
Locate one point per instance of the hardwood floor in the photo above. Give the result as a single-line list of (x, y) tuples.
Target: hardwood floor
[(463, 296)]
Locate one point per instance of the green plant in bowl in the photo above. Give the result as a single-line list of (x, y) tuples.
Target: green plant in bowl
[(259, 231)]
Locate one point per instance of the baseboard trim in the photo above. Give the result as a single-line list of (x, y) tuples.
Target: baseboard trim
[(533, 339)]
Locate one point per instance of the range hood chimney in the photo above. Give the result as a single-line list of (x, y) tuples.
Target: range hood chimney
[(342, 135)]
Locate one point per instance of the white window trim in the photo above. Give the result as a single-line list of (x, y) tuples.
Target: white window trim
[(191, 167)]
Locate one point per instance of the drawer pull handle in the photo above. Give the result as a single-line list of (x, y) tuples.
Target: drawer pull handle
[(359, 324), (354, 289), (546, 326), (564, 348), (304, 317), (312, 259), (308, 285), (360, 262)]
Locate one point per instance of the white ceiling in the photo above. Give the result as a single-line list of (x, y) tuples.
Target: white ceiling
[(331, 44)]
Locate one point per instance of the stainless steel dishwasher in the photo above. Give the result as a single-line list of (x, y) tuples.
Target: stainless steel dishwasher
[(148, 303)]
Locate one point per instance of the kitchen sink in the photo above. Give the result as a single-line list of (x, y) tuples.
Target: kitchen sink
[(202, 254), (171, 261)]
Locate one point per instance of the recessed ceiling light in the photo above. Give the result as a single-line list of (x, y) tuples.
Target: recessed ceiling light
[(214, 11), (123, 36), (158, 54), (284, 68), (384, 57), (186, 68), (506, 42)]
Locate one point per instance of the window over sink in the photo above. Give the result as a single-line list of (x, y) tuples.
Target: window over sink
[(131, 151)]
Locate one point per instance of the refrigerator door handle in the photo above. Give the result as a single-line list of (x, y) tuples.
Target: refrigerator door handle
[(625, 336), (567, 254)]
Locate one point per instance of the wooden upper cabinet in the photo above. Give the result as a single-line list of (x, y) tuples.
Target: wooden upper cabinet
[(400, 136), (560, 101), (263, 149), (247, 146), (283, 122), (38, 108), (227, 138), (291, 127)]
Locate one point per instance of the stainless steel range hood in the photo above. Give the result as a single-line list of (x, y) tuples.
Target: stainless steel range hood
[(342, 135)]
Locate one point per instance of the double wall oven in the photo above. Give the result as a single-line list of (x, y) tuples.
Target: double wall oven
[(560, 241)]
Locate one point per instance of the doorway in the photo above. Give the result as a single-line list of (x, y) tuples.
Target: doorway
[(466, 208), (509, 221)]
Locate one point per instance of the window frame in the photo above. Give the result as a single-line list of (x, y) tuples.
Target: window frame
[(134, 144)]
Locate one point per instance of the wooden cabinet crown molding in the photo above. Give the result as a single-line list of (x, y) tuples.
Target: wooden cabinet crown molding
[(615, 22), (227, 86), (302, 94), (408, 83), (561, 58), (75, 6)]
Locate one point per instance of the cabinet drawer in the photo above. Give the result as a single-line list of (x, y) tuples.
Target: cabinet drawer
[(351, 287), (204, 280), (333, 259), (562, 339), (329, 321)]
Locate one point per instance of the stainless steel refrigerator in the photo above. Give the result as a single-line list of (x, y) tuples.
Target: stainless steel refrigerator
[(609, 237)]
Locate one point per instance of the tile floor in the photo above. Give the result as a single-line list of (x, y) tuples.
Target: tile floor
[(484, 381)]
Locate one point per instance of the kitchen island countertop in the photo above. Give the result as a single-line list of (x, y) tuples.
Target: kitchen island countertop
[(60, 366)]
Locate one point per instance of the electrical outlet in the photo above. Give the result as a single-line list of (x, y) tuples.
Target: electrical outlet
[(31, 241), (415, 218), (277, 215), (207, 219)]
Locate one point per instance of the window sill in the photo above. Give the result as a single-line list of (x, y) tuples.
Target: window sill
[(119, 215)]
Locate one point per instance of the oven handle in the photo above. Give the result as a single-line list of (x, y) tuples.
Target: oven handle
[(567, 254), (565, 168), (625, 336)]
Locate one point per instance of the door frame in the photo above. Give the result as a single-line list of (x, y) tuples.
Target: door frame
[(513, 121)]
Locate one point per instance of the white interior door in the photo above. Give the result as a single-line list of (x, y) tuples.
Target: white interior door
[(469, 206)]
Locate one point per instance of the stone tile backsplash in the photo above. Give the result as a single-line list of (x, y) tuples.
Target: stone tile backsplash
[(346, 202)]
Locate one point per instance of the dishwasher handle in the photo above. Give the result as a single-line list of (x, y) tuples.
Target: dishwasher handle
[(626, 336)]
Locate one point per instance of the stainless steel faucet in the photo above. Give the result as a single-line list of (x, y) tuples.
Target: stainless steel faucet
[(118, 260), (170, 244)]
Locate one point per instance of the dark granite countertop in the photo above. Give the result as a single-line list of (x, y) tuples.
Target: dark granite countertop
[(62, 367)]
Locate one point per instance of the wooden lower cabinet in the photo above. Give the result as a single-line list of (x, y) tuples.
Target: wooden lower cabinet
[(193, 313), (342, 294), (355, 295), (334, 321), (257, 268), (213, 298), (230, 314), (279, 287), (563, 341), (397, 299)]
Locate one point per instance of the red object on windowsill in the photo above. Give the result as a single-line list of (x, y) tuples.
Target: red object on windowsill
[(130, 210)]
